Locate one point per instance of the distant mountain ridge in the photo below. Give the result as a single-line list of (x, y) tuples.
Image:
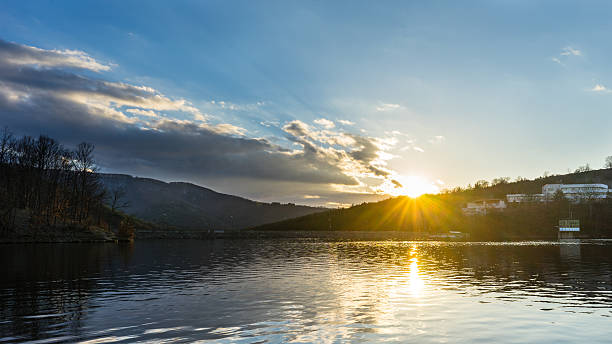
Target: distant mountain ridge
[(189, 206)]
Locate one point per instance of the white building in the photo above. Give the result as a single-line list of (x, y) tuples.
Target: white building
[(481, 207), (519, 198), (573, 192), (576, 192)]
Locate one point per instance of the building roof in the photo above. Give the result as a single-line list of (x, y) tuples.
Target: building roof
[(580, 185)]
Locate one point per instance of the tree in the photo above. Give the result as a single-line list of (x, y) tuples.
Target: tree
[(481, 184), (559, 196), (500, 181), (117, 199), (86, 182), (608, 163), (7, 143), (49, 182), (585, 168)]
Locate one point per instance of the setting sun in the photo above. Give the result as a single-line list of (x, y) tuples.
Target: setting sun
[(411, 186)]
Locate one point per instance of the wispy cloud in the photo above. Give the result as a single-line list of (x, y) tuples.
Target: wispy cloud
[(567, 51), (226, 105), (556, 60), (312, 196), (23, 55), (437, 139), (387, 107), (565, 54), (411, 146), (345, 122), (269, 124)]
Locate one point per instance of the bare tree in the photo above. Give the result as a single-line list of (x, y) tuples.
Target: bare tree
[(608, 163), (6, 146), (86, 181), (585, 168), (49, 182), (117, 200)]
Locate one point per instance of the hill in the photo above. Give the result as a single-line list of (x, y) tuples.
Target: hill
[(500, 187), (189, 206), (441, 213)]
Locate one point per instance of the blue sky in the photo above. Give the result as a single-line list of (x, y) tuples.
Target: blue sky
[(449, 91)]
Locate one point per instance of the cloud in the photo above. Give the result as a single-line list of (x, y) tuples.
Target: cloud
[(23, 55), (141, 131), (565, 54), (358, 157), (105, 97), (569, 51), (345, 122), (312, 196), (325, 123), (410, 144), (600, 88), (222, 104), (387, 107), (140, 112), (226, 128), (437, 139), (556, 60), (269, 124)]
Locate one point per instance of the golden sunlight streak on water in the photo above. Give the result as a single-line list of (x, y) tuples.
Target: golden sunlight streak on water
[(417, 284)]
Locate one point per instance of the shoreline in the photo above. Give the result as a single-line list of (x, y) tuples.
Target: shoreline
[(99, 235), (59, 234)]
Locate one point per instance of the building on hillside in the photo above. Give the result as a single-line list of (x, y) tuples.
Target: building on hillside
[(576, 192), (481, 207), (573, 192), (521, 198)]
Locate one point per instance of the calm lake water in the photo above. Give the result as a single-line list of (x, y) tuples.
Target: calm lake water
[(277, 291)]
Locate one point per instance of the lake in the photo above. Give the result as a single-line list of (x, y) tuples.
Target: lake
[(276, 291)]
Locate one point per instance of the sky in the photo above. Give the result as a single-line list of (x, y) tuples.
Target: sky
[(323, 103)]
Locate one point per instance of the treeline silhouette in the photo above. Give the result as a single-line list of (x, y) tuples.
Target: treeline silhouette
[(53, 184), (500, 187)]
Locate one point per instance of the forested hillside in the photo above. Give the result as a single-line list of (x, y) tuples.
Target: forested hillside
[(442, 213)]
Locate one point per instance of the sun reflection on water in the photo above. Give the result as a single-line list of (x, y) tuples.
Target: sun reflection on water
[(417, 284)]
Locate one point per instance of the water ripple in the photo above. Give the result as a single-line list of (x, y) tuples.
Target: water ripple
[(306, 291)]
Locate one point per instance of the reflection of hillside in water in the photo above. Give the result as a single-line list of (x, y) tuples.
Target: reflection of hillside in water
[(569, 250), (299, 288), (568, 274), (46, 285)]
